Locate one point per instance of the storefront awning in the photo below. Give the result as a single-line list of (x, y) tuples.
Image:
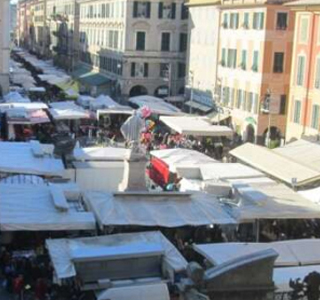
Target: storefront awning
[(198, 105)]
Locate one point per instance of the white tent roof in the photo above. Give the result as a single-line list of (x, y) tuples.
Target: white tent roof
[(291, 253), (154, 291), (156, 209), (102, 102), (20, 158), (84, 100), (272, 202), (157, 105), (223, 171), (15, 97), (196, 126), (67, 110), (100, 154), (180, 157), (311, 194), (33, 208), (305, 152), (60, 249), (275, 164)]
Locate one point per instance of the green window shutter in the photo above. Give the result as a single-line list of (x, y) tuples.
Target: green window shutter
[(297, 109), (261, 25), (223, 57), (300, 71), (255, 63), (244, 60), (315, 117), (304, 30), (246, 20)]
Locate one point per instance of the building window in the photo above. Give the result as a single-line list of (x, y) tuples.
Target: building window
[(304, 27), (300, 70), (223, 57), (183, 42), (317, 76), (255, 61), (225, 23), (234, 20), (297, 110), (315, 116), (283, 104), (184, 12), (243, 60), (246, 21), (181, 70), (164, 70), (145, 70), (140, 40), (282, 21), (278, 62), (258, 21), (167, 10), (165, 41), (141, 9), (232, 58)]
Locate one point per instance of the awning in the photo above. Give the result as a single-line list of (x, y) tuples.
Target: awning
[(100, 154), (196, 126), (90, 77), (276, 164), (154, 291), (67, 110), (217, 117), (59, 249), (156, 209), (197, 105), (291, 253), (30, 207)]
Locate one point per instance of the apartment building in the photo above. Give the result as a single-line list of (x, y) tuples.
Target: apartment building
[(304, 100), (204, 23), (255, 49), (139, 45), (63, 23), (4, 46)]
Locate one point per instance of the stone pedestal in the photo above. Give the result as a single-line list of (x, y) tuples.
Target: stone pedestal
[(134, 177)]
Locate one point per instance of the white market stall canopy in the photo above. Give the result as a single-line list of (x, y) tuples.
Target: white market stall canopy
[(274, 201), (275, 164), (67, 110), (311, 194), (15, 97), (84, 101), (180, 157), (225, 171), (291, 253), (60, 249), (156, 105), (305, 152), (154, 291), (40, 208), (156, 209), (196, 126), (25, 158), (100, 154), (26, 116), (102, 102)]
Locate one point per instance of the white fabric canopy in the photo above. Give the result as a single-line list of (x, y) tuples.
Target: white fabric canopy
[(271, 202), (275, 164), (196, 126), (60, 249), (311, 194), (156, 209), (154, 291), (100, 154), (84, 100), (156, 105), (19, 158), (15, 97), (180, 157), (102, 102), (31, 208), (224, 171), (67, 110), (291, 253), (305, 152)]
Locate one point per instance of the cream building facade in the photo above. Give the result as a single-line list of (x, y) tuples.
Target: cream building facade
[(140, 45), (204, 22), (4, 45)]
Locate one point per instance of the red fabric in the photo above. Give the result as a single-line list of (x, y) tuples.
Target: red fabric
[(17, 285), (159, 172), (41, 289)]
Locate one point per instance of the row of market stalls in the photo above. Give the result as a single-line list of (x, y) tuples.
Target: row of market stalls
[(238, 195)]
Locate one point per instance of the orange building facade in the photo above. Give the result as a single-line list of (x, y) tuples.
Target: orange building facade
[(255, 50), (304, 101)]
